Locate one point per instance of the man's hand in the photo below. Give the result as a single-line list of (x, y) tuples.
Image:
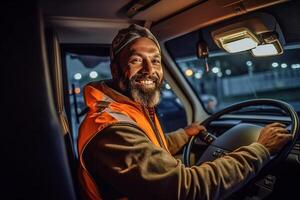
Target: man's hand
[(274, 136), (194, 129)]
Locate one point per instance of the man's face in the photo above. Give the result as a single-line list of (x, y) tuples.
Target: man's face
[(142, 73)]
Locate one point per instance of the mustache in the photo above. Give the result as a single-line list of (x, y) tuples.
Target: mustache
[(142, 76)]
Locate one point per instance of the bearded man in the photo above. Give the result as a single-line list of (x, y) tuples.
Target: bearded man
[(123, 151)]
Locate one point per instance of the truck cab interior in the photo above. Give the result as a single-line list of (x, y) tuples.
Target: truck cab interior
[(233, 65)]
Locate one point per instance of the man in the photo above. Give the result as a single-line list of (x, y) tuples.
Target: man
[(123, 151), (211, 104)]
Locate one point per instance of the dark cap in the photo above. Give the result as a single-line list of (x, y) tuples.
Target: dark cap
[(127, 35)]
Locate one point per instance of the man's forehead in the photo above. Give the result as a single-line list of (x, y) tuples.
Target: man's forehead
[(144, 44), (151, 50)]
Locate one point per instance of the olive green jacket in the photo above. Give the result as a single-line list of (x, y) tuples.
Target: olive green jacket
[(124, 163)]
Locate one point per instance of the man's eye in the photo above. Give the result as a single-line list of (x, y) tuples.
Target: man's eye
[(156, 61), (135, 60)]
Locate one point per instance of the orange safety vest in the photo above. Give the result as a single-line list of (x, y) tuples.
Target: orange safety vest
[(107, 107)]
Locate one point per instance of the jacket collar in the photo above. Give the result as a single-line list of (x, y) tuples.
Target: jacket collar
[(111, 94)]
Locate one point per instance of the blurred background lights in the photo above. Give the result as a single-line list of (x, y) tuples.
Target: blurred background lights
[(93, 74), (215, 70), (198, 75), (283, 65), (249, 63), (295, 66), (167, 86), (189, 72), (77, 76), (275, 64), (228, 72), (220, 74)]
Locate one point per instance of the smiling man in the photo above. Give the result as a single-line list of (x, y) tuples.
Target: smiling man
[(142, 78), (124, 153)]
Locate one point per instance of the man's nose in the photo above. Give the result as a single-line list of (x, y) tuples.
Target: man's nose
[(148, 66)]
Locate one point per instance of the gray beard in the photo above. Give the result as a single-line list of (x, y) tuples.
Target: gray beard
[(148, 99)]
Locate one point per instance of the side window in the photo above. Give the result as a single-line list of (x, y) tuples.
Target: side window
[(84, 67), (170, 110)]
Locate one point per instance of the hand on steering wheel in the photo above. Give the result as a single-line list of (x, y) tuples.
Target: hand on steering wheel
[(194, 129), (274, 136)]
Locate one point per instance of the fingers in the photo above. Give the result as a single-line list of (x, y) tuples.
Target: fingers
[(276, 124), (276, 128), (194, 129), (286, 137), (201, 128), (279, 130), (198, 125)]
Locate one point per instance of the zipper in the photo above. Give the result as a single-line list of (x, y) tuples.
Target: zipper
[(154, 128)]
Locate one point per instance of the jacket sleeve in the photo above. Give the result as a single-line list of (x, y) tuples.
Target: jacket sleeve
[(125, 159), (176, 140)]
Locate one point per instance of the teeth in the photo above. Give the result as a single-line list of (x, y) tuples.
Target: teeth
[(147, 82)]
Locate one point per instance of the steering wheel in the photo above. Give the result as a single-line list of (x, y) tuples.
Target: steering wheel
[(242, 134)]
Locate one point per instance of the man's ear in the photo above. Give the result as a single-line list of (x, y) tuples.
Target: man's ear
[(114, 71)]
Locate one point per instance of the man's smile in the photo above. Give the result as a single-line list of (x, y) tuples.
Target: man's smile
[(145, 81)]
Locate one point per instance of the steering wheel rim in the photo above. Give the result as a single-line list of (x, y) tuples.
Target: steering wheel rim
[(255, 102)]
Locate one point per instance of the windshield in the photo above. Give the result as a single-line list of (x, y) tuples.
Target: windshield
[(232, 78)]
